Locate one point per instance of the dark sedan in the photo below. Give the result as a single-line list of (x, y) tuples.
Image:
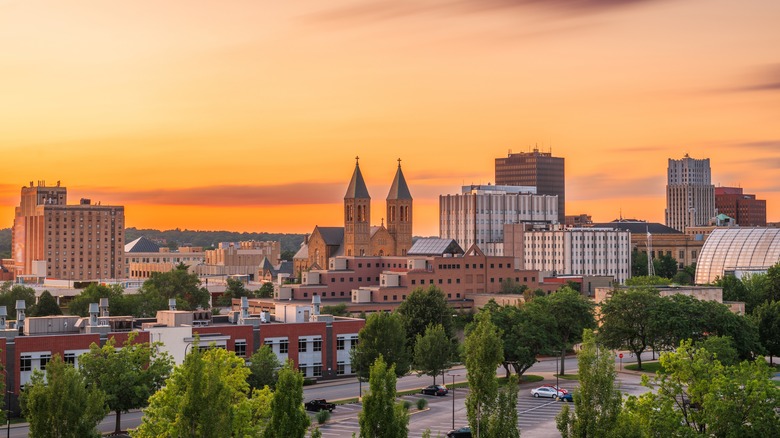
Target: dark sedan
[(439, 390), (463, 432)]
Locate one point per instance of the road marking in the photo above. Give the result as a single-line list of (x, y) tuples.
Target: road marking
[(537, 407)]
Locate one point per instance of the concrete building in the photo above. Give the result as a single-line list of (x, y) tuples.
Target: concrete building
[(573, 251), (357, 238), (745, 250), (239, 258), (535, 169), (143, 257), (578, 220), (52, 239), (663, 240), (690, 195), (477, 215), (744, 208)]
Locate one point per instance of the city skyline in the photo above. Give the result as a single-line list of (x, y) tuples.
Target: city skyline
[(247, 117)]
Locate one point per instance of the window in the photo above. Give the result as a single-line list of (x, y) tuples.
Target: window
[(340, 344), (284, 346), (340, 368), (25, 363), (302, 345), (70, 358), (317, 370), (317, 345), (240, 348), (45, 358)]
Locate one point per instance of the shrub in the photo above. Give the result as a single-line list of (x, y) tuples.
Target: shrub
[(323, 416), (407, 405), (422, 404)]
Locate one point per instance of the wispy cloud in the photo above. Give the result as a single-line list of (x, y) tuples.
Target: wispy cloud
[(607, 185), (772, 145), (765, 78), (224, 196), (379, 10)]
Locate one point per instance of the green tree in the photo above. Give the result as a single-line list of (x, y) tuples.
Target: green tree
[(118, 302), (597, 403), (503, 420), (383, 335), (58, 404), (626, 320), (698, 395), (235, 289), (288, 418), (665, 266), (266, 291), (638, 263), (46, 306), (648, 280), (177, 283), (264, 366), (483, 352), (767, 318), (423, 307), (206, 396), (773, 280), (381, 416), (758, 289), (573, 313), (10, 293), (432, 352), (337, 310), (510, 286), (128, 376), (721, 348)]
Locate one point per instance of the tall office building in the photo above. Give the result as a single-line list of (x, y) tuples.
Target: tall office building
[(744, 208), (690, 195), (70, 242), (536, 169)]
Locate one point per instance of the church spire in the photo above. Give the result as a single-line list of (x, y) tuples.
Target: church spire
[(399, 189), (357, 186)]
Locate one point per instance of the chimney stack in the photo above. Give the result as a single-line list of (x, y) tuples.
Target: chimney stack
[(315, 302), (20, 307), (104, 307), (94, 311), (171, 303), (3, 317)]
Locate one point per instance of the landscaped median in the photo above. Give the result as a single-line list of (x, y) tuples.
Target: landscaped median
[(647, 367)]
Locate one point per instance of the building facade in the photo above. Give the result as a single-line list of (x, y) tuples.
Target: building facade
[(656, 240), (536, 169), (754, 249), (52, 239), (690, 195), (477, 215), (574, 251), (744, 208), (144, 257)]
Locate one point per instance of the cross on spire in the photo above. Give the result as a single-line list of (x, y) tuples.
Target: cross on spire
[(357, 160), (399, 163)]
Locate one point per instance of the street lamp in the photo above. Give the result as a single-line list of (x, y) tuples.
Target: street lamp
[(453, 397)]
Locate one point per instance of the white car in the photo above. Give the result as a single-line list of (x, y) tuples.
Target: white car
[(546, 391)]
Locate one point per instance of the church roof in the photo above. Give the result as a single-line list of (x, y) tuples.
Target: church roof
[(142, 244), (357, 186), (399, 189), (302, 253), (434, 246), (332, 235)]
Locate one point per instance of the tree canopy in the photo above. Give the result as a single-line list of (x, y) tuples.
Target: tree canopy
[(177, 283), (288, 418), (118, 302), (381, 416), (383, 335), (128, 376), (432, 352), (483, 351), (423, 307), (10, 293), (59, 404), (627, 320), (46, 305), (264, 367), (573, 313)]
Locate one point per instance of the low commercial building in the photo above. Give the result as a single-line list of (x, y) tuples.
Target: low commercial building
[(738, 249), (143, 257)]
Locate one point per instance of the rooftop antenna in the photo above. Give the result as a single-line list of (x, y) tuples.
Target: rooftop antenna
[(650, 267)]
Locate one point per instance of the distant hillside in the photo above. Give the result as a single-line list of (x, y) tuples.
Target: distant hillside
[(177, 237), (5, 243)]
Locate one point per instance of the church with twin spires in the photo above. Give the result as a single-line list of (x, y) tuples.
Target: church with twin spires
[(357, 237)]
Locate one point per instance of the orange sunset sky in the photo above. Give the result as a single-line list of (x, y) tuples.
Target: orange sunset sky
[(247, 115)]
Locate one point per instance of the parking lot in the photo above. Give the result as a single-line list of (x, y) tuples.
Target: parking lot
[(535, 415)]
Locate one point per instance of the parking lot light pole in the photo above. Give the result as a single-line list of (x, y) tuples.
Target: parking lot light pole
[(453, 398)]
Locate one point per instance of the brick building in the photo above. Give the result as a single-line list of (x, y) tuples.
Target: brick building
[(744, 208), (51, 239), (536, 169)]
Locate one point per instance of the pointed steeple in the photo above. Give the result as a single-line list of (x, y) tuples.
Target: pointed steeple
[(357, 186), (399, 189)]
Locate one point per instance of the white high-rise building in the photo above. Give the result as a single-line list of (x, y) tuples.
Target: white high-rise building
[(570, 251), (478, 214), (690, 195)]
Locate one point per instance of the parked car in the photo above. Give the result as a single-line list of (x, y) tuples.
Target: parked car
[(546, 391), (565, 397), (319, 404), (439, 390), (463, 432), (558, 388)]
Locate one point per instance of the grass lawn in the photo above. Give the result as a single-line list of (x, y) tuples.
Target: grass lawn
[(647, 367), (569, 376), (776, 382)]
